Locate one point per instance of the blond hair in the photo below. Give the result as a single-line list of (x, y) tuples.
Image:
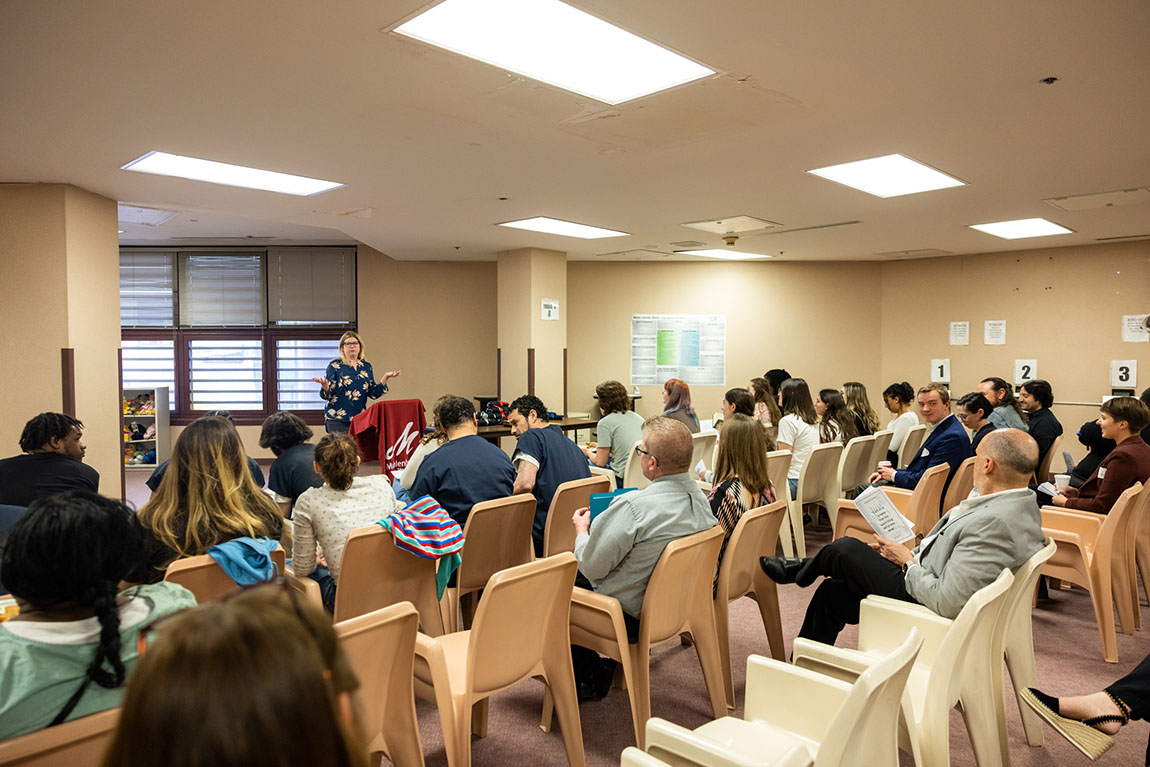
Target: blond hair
[(858, 403), (208, 495), (342, 356)]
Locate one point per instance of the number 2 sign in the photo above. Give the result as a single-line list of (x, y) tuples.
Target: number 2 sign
[(1124, 374), (1025, 370)]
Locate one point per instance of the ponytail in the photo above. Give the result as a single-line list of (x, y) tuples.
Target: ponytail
[(338, 460), (108, 651)]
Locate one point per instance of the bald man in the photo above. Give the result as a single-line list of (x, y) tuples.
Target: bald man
[(966, 550)]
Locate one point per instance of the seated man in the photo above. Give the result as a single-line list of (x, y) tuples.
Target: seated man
[(1036, 397), (466, 469), (1007, 414), (53, 461), (293, 471), (257, 473), (965, 551), (617, 556), (1121, 420), (946, 443), (544, 459)]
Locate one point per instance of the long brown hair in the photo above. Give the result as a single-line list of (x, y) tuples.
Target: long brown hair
[(255, 679), (838, 414), (761, 391), (338, 458), (743, 454), (208, 495), (859, 405)]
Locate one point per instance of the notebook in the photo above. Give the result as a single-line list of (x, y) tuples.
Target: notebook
[(600, 501)]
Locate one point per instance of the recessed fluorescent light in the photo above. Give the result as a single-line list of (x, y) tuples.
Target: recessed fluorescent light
[(164, 164), (554, 43), (1023, 227), (564, 228), (727, 254), (889, 176)]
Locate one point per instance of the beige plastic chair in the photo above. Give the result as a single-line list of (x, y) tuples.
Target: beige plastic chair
[(380, 647), (207, 580), (681, 747), (854, 465), (778, 463), (375, 573), (506, 645), (910, 445), (818, 483), (497, 536), (606, 473), (837, 723), (79, 743), (678, 600), (952, 667), (879, 450), (1125, 567), (740, 575), (633, 474), (559, 534), (1043, 473), (920, 506), (1088, 544), (960, 485), (703, 448)]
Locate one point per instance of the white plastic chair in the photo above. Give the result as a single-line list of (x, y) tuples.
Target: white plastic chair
[(633, 474), (881, 445), (910, 445), (854, 466), (817, 484), (778, 463), (703, 448), (838, 723), (605, 471), (683, 748), (952, 667)]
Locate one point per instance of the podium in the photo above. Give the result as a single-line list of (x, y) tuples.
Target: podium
[(389, 432)]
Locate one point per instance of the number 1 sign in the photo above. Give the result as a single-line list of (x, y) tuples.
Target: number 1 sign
[(940, 371)]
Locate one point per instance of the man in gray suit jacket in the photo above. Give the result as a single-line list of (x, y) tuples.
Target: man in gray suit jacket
[(966, 550)]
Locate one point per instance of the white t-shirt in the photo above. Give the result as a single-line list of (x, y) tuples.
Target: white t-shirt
[(900, 426), (802, 437)]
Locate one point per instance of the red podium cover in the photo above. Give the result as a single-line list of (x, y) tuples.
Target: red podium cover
[(389, 432)]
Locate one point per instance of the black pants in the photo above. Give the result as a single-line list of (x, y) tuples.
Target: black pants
[(853, 570), (587, 663), (1134, 690)]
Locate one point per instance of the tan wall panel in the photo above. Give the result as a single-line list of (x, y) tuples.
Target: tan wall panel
[(548, 337), (513, 336)]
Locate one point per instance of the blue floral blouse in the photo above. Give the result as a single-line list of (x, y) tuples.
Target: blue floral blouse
[(349, 389)]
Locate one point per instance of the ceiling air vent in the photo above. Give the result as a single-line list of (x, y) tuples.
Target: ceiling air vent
[(732, 225), (917, 253), (1120, 198)]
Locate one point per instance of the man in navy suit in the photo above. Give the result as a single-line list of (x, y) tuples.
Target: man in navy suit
[(946, 443)]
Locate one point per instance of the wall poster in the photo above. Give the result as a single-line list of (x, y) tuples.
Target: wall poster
[(692, 347)]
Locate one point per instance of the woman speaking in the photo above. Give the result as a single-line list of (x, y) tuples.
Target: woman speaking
[(348, 384)]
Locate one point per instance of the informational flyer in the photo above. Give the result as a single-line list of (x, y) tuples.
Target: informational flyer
[(960, 334), (1133, 330), (691, 347), (994, 332)]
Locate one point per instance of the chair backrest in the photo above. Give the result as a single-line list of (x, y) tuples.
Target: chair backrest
[(879, 450), (633, 474), (864, 730), (819, 476), (1042, 473), (206, 579), (854, 465), (375, 573), (525, 612), (703, 448), (754, 535), (606, 473), (8, 517), (79, 743), (380, 647), (1019, 600), (682, 576), (910, 445), (1116, 537), (924, 503), (960, 485), (778, 462), (497, 536), (559, 534)]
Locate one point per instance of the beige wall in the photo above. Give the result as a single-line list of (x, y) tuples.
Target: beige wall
[(526, 277), (818, 321), (59, 266)]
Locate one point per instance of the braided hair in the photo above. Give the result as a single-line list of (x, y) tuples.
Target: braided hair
[(69, 550)]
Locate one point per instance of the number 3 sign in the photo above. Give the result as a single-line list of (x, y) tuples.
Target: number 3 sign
[(1124, 374)]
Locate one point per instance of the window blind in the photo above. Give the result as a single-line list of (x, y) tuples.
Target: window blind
[(311, 286), (226, 374), (221, 290), (149, 364), (297, 362), (147, 290)]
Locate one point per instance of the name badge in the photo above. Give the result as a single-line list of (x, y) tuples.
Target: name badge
[(925, 453), (1102, 473)]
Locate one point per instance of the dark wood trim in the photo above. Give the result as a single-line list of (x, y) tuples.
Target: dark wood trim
[(498, 373), (564, 380), (68, 381), (531, 371), (120, 445)]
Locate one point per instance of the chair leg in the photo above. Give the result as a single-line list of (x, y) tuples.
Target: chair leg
[(982, 727), (468, 604), (548, 709), (796, 513), (450, 609), (1020, 664), (401, 733), (560, 680), (639, 682), (1122, 590), (767, 597), (707, 645), (1102, 598), (785, 534), (479, 717), (722, 631)]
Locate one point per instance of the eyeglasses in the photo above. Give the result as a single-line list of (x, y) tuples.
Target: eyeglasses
[(639, 449), (351, 343)]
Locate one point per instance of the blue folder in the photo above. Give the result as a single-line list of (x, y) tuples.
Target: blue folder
[(600, 501)]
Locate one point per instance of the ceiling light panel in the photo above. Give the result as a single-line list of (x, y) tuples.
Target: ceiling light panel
[(196, 169), (554, 43), (563, 228), (725, 254), (1021, 228), (889, 176)]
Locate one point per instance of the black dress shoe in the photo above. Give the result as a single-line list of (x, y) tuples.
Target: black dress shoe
[(781, 569)]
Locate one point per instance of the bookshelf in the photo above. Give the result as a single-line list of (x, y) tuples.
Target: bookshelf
[(146, 427)]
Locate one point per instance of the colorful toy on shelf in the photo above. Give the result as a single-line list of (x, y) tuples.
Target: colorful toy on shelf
[(142, 404), (138, 430)]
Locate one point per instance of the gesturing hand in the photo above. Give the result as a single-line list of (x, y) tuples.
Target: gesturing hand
[(323, 382)]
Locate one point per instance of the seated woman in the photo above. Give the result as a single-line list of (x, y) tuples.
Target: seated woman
[(836, 423), (1097, 448), (258, 678), (866, 421), (618, 429), (740, 474), (898, 398), (433, 438), (68, 652), (677, 404), (735, 402), (766, 404), (207, 497), (327, 514), (1122, 419), (797, 430), (286, 435), (974, 411)]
